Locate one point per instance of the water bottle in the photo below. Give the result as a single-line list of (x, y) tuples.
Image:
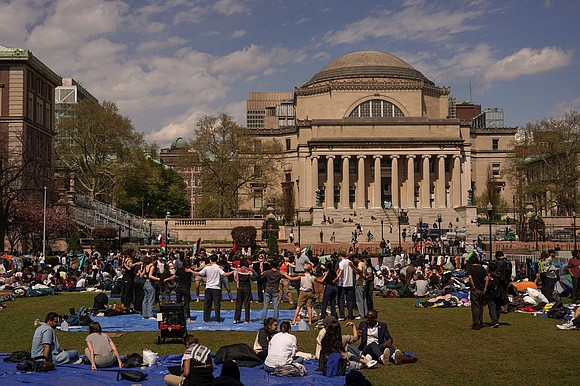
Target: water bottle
[(64, 326), (416, 302), (302, 325)]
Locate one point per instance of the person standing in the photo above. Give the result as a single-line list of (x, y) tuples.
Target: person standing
[(271, 280), (574, 269), (243, 277), (344, 278), (494, 293), (184, 275), (360, 268), (127, 288), (148, 288), (321, 234), (45, 345), (284, 282), (478, 280), (213, 288), (226, 267), (300, 258)]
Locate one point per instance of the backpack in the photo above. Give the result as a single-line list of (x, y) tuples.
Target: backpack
[(18, 356), (133, 360), (101, 301), (131, 375), (290, 370), (241, 353), (335, 365), (79, 318)]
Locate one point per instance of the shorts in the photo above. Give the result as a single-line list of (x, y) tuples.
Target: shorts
[(200, 279), (305, 299)]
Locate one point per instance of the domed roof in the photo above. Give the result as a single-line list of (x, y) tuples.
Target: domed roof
[(179, 143), (367, 64)]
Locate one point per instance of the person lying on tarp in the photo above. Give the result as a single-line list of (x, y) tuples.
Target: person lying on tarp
[(196, 365)]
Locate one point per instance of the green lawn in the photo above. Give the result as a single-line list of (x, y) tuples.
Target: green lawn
[(530, 350)]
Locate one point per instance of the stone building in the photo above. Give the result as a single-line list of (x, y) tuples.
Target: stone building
[(371, 131)]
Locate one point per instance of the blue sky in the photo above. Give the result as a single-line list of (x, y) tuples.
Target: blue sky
[(167, 63)]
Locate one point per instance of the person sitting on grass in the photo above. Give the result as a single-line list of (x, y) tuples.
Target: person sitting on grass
[(196, 365), (101, 351), (264, 336), (334, 342), (376, 340), (573, 324), (306, 291), (45, 345), (282, 349)]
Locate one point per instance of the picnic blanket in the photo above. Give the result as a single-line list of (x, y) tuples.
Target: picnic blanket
[(82, 374)]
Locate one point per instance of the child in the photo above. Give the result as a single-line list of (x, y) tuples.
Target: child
[(306, 291)]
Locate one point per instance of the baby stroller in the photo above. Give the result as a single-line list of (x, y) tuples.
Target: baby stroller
[(172, 324)]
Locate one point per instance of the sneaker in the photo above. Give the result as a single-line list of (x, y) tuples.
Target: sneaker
[(358, 317), (397, 356), (385, 357), (152, 318), (78, 361), (495, 325), (370, 364), (236, 321), (368, 357), (566, 326)]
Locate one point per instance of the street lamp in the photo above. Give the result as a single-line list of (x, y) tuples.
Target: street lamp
[(298, 222), (536, 230), (489, 213), (150, 225), (439, 218), (166, 226), (574, 230), (420, 235), (399, 220), (382, 234), (44, 227), (129, 222)]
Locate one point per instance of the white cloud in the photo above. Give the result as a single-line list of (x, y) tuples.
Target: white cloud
[(528, 61), (182, 126), (230, 7), (562, 107), (418, 21), (15, 18), (152, 45), (303, 20), (253, 58), (239, 33)]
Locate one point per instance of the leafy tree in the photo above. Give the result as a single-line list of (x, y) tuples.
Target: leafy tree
[(99, 145), (153, 188), (491, 195), (547, 164), (74, 241), (104, 239), (273, 245), (244, 236), (232, 160)]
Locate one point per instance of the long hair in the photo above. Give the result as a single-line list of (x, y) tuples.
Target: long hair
[(95, 327), (332, 340)]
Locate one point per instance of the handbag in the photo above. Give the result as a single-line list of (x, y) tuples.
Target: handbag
[(131, 375)]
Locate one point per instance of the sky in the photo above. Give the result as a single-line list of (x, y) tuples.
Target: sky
[(166, 63)]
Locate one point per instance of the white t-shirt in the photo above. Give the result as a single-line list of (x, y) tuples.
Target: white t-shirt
[(281, 349), (346, 276), (213, 273), (373, 334)]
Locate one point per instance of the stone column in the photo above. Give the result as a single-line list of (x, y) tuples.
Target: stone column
[(410, 181), (456, 181), (395, 181), (361, 184), (378, 187), (425, 195), (314, 179), (440, 189), (307, 183), (301, 183), (345, 181), (329, 182), (466, 182)]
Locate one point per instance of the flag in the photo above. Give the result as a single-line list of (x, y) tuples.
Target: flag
[(162, 249), (197, 246), (235, 247), (306, 250)]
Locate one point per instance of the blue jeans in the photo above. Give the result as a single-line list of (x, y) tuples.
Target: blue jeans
[(348, 292), (148, 300), (226, 285), (275, 298), (329, 297)]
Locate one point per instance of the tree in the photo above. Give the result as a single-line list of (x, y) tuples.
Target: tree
[(98, 145), (153, 188), (547, 162), (233, 163), (491, 195)]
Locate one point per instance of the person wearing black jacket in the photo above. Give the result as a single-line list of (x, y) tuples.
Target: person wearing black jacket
[(478, 280), (376, 340)]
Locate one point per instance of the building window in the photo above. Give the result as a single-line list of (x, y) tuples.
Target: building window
[(376, 108), (495, 170), (258, 198), (288, 144), (495, 144)]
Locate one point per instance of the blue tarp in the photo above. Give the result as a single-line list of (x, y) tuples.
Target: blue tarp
[(135, 322), (82, 374)]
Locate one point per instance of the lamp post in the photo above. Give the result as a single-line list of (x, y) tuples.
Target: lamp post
[(420, 234), (129, 222), (298, 222), (574, 230), (489, 214), (399, 221), (439, 219), (166, 228), (536, 230), (382, 234), (44, 227), (150, 226)]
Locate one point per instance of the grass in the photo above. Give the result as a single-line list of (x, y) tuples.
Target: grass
[(530, 350)]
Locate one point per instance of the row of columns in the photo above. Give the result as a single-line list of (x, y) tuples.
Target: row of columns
[(310, 172)]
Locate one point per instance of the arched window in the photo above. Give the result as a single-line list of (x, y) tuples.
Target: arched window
[(376, 108)]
